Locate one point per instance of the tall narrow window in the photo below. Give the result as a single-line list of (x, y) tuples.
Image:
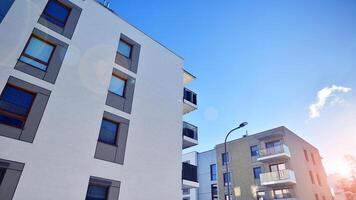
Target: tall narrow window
[(125, 49), (37, 53), (117, 85), (227, 179), (225, 158), (313, 159), (213, 172), (254, 150), (96, 192), (15, 104), (256, 172), (57, 13), (2, 174), (306, 155), (108, 132), (214, 192), (318, 179), (311, 177)]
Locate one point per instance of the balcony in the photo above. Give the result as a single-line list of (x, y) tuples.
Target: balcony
[(189, 101), (190, 135), (187, 77), (278, 178), (274, 153), (189, 176)]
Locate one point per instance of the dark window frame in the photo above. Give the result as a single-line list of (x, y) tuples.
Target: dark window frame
[(46, 15), (213, 173), (14, 115), (122, 60), (12, 174), (306, 155), (254, 153), (36, 59), (225, 159), (113, 186), (98, 185), (255, 173)]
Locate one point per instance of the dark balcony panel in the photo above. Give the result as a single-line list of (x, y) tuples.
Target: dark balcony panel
[(189, 172), (190, 96), (190, 130)]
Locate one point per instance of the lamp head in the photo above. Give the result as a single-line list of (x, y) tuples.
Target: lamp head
[(243, 124)]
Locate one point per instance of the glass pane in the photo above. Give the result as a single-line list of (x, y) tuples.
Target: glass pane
[(16, 101), (33, 63), (125, 49), (39, 49), (278, 194), (56, 13), (5, 6), (96, 192), (108, 132), (117, 86), (257, 172)]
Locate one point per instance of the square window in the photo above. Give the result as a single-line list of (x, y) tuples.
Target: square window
[(256, 172), (254, 150), (2, 174), (15, 104), (108, 132), (261, 195), (37, 53), (125, 49), (186, 191), (117, 85), (57, 13), (96, 192)]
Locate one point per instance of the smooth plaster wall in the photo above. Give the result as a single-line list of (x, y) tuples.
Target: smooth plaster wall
[(61, 159)]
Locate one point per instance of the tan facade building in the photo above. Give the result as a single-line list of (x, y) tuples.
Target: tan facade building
[(274, 164)]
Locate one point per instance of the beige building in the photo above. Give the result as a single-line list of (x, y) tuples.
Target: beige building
[(274, 164)]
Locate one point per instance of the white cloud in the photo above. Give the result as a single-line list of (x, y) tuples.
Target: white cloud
[(323, 95)]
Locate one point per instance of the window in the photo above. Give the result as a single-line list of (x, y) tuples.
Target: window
[(10, 173), (56, 12), (311, 177), (214, 192), (15, 104), (186, 198), (318, 179), (103, 189), (256, 172), (273, 144), (227, 178), (313, 159), (306, 155), (186, 191), (316, 196), (282, 194), (128, 52), (96, 192), (225, 158), (227, 197), (37, 53), (4, 8), (254, 150), (213, 172), (117, 85), (2, 174), (121, 91), (112, 138), (125, 49), (108, 132), (277, 167), (261, 195)]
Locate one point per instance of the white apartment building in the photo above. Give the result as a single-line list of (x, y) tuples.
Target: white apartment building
[(90, 107)]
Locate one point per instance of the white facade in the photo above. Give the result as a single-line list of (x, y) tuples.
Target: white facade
[(205, 160), (60, 160)]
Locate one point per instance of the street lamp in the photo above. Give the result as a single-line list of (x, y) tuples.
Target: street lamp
[(225, 156)]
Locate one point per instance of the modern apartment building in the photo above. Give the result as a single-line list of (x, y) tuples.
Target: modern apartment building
[(274, 164), (90, 106)]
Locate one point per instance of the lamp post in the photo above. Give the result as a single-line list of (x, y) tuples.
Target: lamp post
[(225, 156)]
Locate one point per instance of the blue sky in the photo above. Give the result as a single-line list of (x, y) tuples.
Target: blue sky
[(262, 62)]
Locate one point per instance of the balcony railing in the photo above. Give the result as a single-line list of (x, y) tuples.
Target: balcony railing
[(278, 177), (190, 96), (281, 150), (190, 172), (190, 131)]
